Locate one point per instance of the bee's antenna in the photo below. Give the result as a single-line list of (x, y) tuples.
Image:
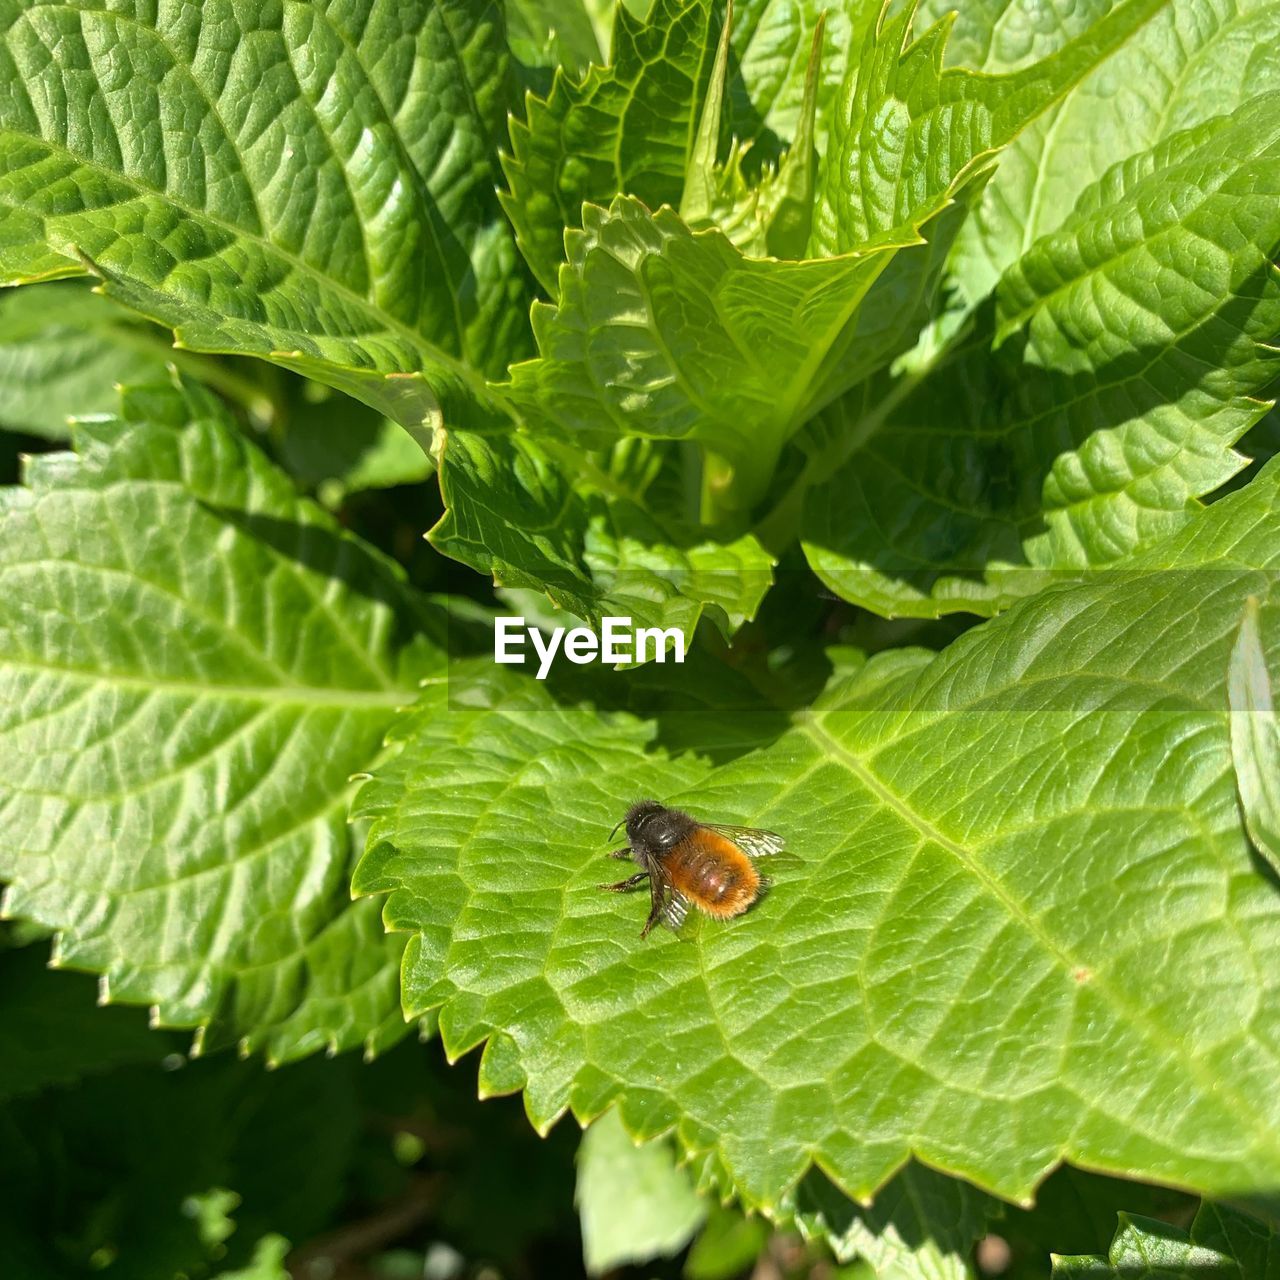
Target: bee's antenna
[(614, 832)]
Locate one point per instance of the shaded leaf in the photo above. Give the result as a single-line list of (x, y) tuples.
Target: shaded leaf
[(1075, 1212), (54, 1031), (339, 446), (515, 510), (62, 352), (1221, 1245), (194, 662), (922, 1226), (970, 962), (150, 1172)]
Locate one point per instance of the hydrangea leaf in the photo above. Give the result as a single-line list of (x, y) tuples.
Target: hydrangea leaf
[(337, 446), (671, 334), (515, 510), (966, 960), (625, 127), (555, 33), (771, 42), (1196, 59), (1222, 1243), (1075, 1212), (61, 351), (890, 164), (629, 127), (1255, 739), (308, 183), (634, 1201), (922, 1225), (194, 661), (1098, 425), (660, 331)]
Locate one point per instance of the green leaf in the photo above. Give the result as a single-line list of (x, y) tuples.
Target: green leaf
[(660, 331), (339, 446), (589, 543), (62, 352), (1255, 739), (635, 1203), (310, 183), (971, 961), (627, 127), (1135, 345), (54, 1031), (1208, 57), (772, 215), (194, 661), (771, 41), (672, 334), (553, 33), (1221, 1245), (891, 169), (727, 1245), (922, 1226), (1075, 1212)]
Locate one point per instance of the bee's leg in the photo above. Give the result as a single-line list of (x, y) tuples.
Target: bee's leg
[(624, 852), (655, 912), (624, 885)]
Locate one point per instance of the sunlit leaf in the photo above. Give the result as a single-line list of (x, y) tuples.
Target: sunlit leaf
[(970, 962), (194, 662)]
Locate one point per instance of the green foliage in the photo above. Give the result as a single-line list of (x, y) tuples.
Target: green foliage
[(634, 1202), (586, 538), (55, 1033), (1090, 430), (147, 1171), (61, 349), (1255, 745), (627, 126), (208, 721), (920, 1225), (315, 187), (773, 323), (1013, 982), (1221, 1243)]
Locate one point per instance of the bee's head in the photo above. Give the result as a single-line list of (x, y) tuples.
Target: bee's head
[(653, 826)]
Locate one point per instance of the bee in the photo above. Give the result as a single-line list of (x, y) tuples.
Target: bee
[(708, 865)]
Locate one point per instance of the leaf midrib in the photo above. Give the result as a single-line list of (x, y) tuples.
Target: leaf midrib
[(832, 749)]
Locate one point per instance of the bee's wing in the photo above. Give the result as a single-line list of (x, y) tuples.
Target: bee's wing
[(675, 908), (751, 840)]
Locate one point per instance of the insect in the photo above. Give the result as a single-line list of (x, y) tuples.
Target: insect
[(705, 864)]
